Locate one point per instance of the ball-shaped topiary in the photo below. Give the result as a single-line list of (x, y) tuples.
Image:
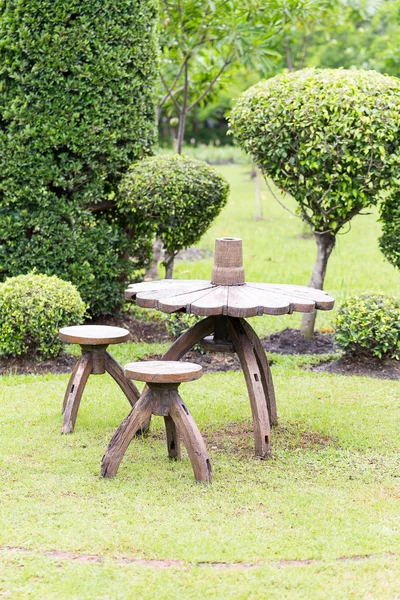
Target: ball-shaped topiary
[(369, 325), (33, 307), (77, 106), (331, 139), (389, 241), (175, 196)]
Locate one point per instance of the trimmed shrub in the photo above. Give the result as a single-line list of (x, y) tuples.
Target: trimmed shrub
[(33, 307), (331, 139), (389, 241), (369, 325), (77, 106), (174, 196)]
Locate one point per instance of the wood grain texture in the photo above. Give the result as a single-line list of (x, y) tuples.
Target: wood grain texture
[(247, 300), (128, 387), (70, 383), (75, 393), (253, 377), (161, 371), (93, 335), (125, 433), (188, 339), (192, 440), (266, 375)]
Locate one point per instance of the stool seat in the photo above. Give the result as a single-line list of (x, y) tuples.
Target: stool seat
[(93, 335), (163, 371)]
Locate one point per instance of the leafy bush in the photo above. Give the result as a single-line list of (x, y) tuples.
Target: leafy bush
[(389, 241), (33, 307), (370, 325), (331, 139), (77, 106), (174, 196)]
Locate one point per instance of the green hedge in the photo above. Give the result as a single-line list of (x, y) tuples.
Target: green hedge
[(174, 196), (33, 308), (369, 325), (77, 106), (389, 241)]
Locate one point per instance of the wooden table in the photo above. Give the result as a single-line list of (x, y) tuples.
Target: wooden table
[(226, 301)]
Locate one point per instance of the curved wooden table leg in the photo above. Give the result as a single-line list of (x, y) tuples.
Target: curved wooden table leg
[(127, 386), (76, 389), (120, 441), (189, 338), (173, 439), (266, 375), (253, 376), (192, 439), (70, 384)]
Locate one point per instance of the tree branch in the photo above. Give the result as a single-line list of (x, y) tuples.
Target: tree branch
[(170, 93), (210, 85)]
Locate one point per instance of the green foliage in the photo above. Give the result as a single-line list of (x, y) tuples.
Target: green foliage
[(370, 325), (330, 138), (33, 308), (177, 323), (174, 197), (389, 241), (77, 106)]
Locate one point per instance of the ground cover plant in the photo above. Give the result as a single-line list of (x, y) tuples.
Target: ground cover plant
[(257, 530)]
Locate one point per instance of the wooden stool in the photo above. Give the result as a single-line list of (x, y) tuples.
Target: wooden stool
[(161, 398), (94, 360)]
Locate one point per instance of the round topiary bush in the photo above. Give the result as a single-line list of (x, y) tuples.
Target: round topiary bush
[(328, 137), (175, 196), (389, 241), (33, 307), (369, 325)]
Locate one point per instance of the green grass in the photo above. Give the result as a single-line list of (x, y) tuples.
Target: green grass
[(318, 520)]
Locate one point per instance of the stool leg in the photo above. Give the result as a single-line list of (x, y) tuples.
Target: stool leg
[(173, 440), (192, 439), (76, 386), (123, 436), (127, 386), (70, 384)]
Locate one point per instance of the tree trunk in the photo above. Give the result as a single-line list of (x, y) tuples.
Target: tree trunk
[(325, 245), (169, 264), (152, 271)]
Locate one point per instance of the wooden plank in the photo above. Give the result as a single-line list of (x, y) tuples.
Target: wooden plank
[(172, 303), (92, 335), (320, 298), (214, 303), (163, 284), (173, 439), (246, 302)]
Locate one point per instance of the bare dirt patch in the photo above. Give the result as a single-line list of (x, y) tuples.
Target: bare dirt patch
[(290, 341), (362, 366), (30, 365), (140, 330)]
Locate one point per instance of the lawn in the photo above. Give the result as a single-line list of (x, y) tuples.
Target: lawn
[(318, 520)]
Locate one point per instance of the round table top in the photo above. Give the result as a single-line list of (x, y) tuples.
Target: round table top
[(163, 371), (93, 335), (247, 300)]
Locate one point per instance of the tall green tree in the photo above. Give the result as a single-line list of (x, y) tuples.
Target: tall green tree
[(203, 43)]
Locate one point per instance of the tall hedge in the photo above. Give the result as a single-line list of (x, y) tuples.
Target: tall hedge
[(77, 107), (389, 241)]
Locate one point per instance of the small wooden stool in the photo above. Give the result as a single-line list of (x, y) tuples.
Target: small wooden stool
[(94, 360), (161, 398)]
